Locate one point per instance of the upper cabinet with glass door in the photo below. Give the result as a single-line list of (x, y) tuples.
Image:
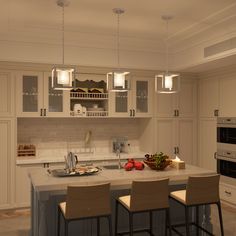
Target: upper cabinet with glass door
[(56, 102), (137, 102), (36, 98)]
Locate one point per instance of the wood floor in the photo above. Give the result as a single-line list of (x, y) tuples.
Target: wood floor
[(17, 223)]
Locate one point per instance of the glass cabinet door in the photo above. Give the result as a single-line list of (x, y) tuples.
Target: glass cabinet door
[(56, 102), (142, 97), (120, 104), (29, 89)]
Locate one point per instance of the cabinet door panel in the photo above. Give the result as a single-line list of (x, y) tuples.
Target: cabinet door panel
[(187, 98), (142, 89), (165, 136), (6, 94), (207, 143), (29, 93), (164, 105), (56, 102), (187, 140), (120, 104), (6, 154), (227, 97), (22, 187), (208, 97)]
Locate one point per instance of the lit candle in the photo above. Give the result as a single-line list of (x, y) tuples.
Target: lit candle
[(177, 163)]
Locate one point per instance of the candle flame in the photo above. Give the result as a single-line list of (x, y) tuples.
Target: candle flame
[(177, 159)]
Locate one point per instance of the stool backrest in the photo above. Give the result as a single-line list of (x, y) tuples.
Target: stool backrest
[(147, 195), (202, 189), (87, 201)]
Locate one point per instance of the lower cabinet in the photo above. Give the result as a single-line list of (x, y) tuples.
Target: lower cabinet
[(177, 137), (22, 182), (228, 193), (6, 162)]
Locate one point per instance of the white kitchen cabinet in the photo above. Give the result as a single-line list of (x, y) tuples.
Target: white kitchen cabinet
[(227, 96), (22, 186), (182, 104), (228, 193), (207, 143), (7, 95), (137, 102), (7, 153), (208, 98), (177, 137), (22, 181), (36, 98), (165, 136), (56, 102)]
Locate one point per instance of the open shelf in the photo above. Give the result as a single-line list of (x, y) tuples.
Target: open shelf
[(93, 96)]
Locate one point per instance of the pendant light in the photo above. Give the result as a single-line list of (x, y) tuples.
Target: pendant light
[(118, 80), (62, 76), (167, 82)]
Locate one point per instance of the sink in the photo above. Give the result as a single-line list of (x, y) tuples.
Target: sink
[(111, 167)]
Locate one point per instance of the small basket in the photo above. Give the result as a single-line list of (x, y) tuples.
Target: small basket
[(153, 166)]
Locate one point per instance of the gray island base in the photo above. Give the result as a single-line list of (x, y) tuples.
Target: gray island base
[(48, 191)]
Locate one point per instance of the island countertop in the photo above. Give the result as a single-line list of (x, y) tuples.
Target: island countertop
[(42, 181)]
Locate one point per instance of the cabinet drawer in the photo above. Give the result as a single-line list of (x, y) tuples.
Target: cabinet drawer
[(228, 193)]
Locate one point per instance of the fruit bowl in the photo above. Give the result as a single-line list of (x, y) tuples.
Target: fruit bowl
[(157, 161)]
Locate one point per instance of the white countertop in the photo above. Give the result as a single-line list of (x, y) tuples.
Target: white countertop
[(91, 157), (43, 181)]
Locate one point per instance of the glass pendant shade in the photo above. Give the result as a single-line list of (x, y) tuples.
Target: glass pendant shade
[(62, 78), (167, 83), (118, 81)]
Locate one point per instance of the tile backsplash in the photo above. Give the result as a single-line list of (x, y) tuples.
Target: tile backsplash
[(69, 133)]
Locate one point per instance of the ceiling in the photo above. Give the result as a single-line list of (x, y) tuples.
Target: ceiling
[(142, 19)]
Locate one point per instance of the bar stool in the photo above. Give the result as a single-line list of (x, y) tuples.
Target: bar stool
[(200, 190), (86, 202), (146, 196)]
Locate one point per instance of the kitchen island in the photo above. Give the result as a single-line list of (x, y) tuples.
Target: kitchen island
[(48, 190)]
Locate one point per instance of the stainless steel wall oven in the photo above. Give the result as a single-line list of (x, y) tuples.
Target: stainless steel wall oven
[(226, 146)]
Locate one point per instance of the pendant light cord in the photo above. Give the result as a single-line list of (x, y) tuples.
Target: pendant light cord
[(167, 46), (63, 37), (118, 40)]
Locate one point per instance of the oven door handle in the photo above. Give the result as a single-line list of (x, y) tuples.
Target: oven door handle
[(215, 155)]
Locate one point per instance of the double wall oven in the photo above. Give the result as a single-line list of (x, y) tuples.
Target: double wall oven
[(226, 146)]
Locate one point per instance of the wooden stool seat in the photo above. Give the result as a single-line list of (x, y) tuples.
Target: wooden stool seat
[(200, 190), (86, 202), (146, 196)]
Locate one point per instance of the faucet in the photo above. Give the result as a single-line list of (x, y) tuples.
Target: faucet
[(118, 147), (118, 154)]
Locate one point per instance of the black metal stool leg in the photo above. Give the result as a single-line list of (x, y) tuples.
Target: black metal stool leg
[(131, 224), (150, 222), (220, 218), (66, 227), (58, 221), (98, 226), (187, 221), (110, 224), (197, 219), (116, 217), (168, 222)]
